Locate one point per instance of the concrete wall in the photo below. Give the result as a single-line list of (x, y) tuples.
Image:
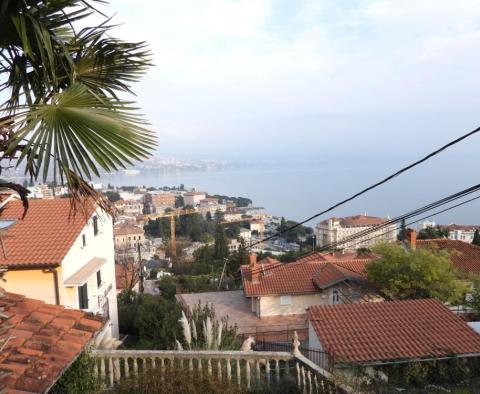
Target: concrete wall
[(270, 305), (313, 341)]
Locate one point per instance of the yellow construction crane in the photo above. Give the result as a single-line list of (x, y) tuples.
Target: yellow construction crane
[(172, 215)]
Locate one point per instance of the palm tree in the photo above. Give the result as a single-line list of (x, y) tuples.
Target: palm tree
[(65, 114)]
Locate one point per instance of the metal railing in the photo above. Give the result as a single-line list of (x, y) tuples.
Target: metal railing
[(320, 357)]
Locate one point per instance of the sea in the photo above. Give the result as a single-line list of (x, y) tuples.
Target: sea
[(298, 193)]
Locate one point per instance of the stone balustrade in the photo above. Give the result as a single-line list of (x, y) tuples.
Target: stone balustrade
[(243, 368)]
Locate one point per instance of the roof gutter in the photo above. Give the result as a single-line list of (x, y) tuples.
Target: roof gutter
[(55, 283)]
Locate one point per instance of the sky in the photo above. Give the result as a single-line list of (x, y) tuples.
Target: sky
[(308, 81)]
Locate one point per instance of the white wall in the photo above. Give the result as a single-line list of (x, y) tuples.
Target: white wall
[(313, 341), (100, 246), (270, 305)]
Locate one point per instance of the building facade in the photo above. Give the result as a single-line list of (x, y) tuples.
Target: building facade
[(463, 233), (334, 232), (61, 258), (193, 198)]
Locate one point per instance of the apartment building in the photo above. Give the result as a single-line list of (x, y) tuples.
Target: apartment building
[(335, 232), (60, 257), (193, 198), (462, 232), (158, 201)]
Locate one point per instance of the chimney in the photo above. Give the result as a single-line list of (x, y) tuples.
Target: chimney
[(412, 238), (254, 268)]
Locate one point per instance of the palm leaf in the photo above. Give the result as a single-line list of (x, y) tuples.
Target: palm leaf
[(82, 133)]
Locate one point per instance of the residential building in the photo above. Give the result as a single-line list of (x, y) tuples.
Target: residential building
[(158, 201), (193, 198), (189, 251), (462, 232), (210, 205), (393, 331), (318, 279), (40, 191), (246, 235), (61, 257), (128, 236), (257, 225), (132, 207), (232, 216), (39, 341), (335, 231), (276, 295), (127, 275)]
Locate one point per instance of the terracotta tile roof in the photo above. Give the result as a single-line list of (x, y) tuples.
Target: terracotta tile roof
[(126, 275), (44, 236), (464, 256), (126, 229), (394, 330), (330, 274), (465, 227), (44, 340), (298, 277)]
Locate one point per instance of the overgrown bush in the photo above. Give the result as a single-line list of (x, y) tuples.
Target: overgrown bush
[(79, 378)]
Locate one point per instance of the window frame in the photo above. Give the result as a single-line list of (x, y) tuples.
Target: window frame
[(95, 226), (99, 278), (285, 300)]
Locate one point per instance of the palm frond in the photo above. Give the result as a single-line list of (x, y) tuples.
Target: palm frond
[(81, 132)]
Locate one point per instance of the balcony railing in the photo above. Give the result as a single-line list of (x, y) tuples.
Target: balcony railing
[(242, 368)]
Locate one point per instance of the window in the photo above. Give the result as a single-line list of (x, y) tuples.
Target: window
[(285, 300), (84, 240), (99, 278), (83, 297), (95, 225), (336, 297)]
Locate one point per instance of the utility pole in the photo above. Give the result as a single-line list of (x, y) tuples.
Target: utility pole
[(223, 272), (141, 267)]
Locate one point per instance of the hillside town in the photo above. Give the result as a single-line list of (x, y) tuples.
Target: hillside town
[(297, 285), (317, 230)]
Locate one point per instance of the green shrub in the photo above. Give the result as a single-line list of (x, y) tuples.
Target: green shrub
[(79, 378)]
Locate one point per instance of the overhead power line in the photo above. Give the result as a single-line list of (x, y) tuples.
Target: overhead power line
[(399, 219), (375, 185)]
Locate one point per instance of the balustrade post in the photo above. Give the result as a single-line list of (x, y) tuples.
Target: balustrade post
[(297, 367), (247, 372), (219, 369), (257, 370), (309, 380), (277, 370), (116, 376), (154, 362), (102, 368), (302, 369), (190, 364), (135, 366), (239, 373), (127, 367), (267, 371), (209, 367), (200, 368), (229, 371), (110, 371)]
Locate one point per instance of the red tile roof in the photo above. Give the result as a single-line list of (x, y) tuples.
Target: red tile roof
[(126, 229), (126, 274), (43, 341), (300, 277), (44, 236), (394, 330), (464, 256)]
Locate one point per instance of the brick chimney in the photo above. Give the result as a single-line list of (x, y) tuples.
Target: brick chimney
[(254, 268), (412, 238)]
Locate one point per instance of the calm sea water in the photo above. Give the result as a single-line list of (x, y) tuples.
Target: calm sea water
[(298, 193)]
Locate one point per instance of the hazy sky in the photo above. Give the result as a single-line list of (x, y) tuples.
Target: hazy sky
[(266, 79)]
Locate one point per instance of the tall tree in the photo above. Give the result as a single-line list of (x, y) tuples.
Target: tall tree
[(476, 238), (417, 273), (64, 114), (221, 246)]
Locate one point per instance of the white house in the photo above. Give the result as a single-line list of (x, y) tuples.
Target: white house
[(193, 198), (335, 231), (60, 257), (461, 232)]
